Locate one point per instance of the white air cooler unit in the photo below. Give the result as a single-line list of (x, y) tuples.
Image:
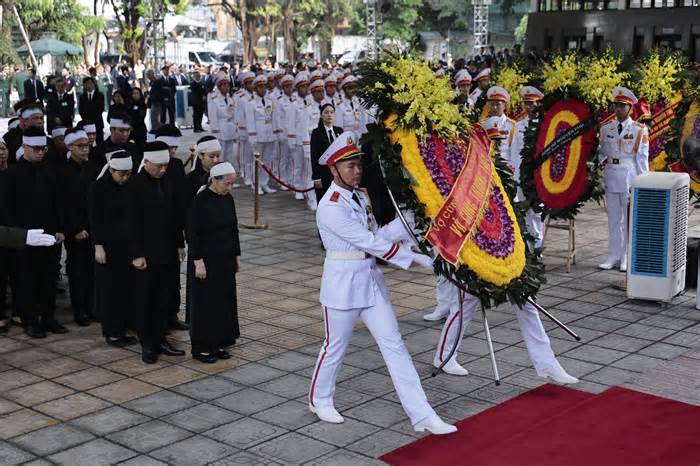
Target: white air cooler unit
[(658, 236)]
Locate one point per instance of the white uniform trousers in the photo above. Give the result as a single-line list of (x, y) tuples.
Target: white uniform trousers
[(381, 322), (535, 226), (534, 335), (276, 157), (285, 170), (267, 154), (246, 159), (617, 225), (229, 153), (301, 168)]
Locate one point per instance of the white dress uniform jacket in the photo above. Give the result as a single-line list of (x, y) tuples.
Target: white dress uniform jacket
[(507, 128), (516, 148), (352, 240), (221, 111), (626, 154), (349, 114), (258, 114)]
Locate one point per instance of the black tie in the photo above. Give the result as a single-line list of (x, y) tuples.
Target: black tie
[(619, 128), (356, 199), (263, 101), (226, 100), (330, 135)]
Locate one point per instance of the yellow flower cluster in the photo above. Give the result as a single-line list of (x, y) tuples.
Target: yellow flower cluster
[(561, 73), (512, 79), (428, 98), (500, 272), (658, 77), (600, 75)]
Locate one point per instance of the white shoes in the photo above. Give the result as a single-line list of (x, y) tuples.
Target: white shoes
[(236, 185), (608, 265), (260, 190), (434, 425), (623, 264), (283, 188), (267, 189), (453, 368), (327, 414), (558, 374), (299, 196), (248, 182), (436, 315), (311, 202)]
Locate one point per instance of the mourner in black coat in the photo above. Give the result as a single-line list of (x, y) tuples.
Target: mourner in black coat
[(215, 249), (91, 105), (320, 140)]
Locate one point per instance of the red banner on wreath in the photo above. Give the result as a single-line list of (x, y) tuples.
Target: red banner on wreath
[(456, 219)]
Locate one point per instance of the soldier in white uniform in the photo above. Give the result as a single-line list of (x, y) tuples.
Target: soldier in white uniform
[(221, 112), (261, 133), (244, 148), (624, 149), (498, 98), (483, 82), (463, 83), (299, 140), (331, 87), (315, 100), (352, 286), (349, 112), (282, 116), (531, 97)]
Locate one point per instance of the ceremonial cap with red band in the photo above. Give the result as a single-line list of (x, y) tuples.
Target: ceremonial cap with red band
[(497, 93), (463, 77), (624, 96), (483, 74), (343, 147), (531, 94)]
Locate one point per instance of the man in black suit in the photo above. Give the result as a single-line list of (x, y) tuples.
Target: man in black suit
[(91, 104), (198, 100), (33, 87), (180, 78), (123, 81), (60, 107), (167, 91)]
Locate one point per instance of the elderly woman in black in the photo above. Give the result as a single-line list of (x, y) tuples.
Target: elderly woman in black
[(216, 251)]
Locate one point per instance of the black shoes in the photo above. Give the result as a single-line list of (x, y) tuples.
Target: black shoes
[(35, 331), (82, 321), (205, 358), (178, 325), (121, 342), (223, 354), (54, 327), (167, 349), (149, 356)]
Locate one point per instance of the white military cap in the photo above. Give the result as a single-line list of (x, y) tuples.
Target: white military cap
[(463, 77), (343, 147), (497, 93), (531, 94), (483, 74), (624, 95)]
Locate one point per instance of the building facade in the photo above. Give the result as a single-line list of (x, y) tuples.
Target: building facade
[(632, 26)]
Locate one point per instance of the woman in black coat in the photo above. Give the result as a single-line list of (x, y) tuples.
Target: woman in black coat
[(137, 111), (320, 140), (215, 249)]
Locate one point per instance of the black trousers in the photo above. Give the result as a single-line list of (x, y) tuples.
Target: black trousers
[(169, 108), (81, 277), (113, 287), (153, 297), (197, 115), (36, 283), (7, 277), (175, 296)]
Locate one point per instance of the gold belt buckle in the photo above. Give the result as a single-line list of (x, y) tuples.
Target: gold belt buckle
[(616, 161)]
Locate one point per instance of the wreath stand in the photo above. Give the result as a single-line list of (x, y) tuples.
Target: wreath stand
[(570, 255)]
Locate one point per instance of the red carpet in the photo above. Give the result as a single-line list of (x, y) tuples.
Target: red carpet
[(555, 426)]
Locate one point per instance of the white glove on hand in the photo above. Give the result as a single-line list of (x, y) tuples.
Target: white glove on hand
[(424, 261), (38, 238)]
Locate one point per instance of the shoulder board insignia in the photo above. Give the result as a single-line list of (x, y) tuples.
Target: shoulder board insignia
[(638, 124), (335, 196)]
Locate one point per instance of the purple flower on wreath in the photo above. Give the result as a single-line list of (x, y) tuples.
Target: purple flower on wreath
[(559, 158), (503, 246), (454, 157), (656, 146), (427, 151)]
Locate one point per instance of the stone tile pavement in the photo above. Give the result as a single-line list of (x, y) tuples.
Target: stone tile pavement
[(71, 399)]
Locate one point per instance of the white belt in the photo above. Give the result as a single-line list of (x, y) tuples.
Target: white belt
[(347, 255)]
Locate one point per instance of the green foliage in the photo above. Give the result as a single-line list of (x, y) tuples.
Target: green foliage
[(67, 18), (399, 23), (521, 30)]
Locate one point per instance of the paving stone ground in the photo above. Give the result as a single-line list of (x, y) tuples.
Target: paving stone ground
[(71, 399)]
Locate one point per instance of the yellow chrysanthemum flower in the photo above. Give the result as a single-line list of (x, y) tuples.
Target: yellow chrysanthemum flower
[(600, 75)]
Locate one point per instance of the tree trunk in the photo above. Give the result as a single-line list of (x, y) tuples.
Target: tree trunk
[(97, 49), (290, 46), (85, 50)]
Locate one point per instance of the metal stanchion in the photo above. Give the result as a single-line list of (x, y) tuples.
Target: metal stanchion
[(256, 225)]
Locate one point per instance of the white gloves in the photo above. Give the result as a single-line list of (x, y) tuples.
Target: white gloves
[(424, 261), (38, 238)]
